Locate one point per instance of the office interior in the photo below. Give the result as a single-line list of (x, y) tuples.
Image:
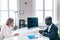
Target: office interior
[(21, 10)]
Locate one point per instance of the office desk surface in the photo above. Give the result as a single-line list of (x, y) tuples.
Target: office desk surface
[(24, 32), (25, 38)]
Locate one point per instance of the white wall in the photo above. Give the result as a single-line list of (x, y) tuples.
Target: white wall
[(27, 8), (58, 13)]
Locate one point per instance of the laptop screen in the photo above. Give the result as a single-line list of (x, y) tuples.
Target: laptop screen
[(32, 22)]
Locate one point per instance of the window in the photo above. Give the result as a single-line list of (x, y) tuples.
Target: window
[(7, 9), (4, 17), (46, 8)]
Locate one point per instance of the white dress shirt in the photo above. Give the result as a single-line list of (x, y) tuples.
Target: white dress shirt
[(49, 27), (6, 31)]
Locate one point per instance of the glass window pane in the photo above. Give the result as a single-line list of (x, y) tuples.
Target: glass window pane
[(13, 4), (4, 4), (48, 4), (4, 17), (39, 14), (48, 13), (12, 15), (39, 4)]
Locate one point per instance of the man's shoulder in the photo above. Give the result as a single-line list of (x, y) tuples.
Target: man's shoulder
[(53, 25)]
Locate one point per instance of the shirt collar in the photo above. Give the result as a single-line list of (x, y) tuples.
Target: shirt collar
[(50, 25)]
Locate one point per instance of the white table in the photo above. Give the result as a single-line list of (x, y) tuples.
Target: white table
[(25, 38), (24, 32)]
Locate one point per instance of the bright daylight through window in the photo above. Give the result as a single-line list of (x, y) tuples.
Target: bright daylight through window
[(7, 9), (45, 8)]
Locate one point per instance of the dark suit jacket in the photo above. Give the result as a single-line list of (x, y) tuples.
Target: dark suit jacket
[(52, 34)]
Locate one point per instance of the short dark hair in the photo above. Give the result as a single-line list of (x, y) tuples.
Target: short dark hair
[(49, 18)]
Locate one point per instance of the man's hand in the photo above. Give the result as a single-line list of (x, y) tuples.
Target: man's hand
[(41, 31)]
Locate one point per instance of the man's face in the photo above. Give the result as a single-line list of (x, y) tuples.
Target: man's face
[(48, 22)]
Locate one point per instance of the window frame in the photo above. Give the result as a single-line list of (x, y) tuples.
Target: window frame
[(53, 12), (8, 11)]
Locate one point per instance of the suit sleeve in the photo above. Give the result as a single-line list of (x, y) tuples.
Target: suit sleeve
[(52, 33), (45, 30), (41, 31)]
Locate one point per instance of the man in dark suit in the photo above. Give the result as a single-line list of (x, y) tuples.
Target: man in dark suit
[(51, 31)]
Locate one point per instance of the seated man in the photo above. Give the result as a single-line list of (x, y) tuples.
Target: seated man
[(51, 31)]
